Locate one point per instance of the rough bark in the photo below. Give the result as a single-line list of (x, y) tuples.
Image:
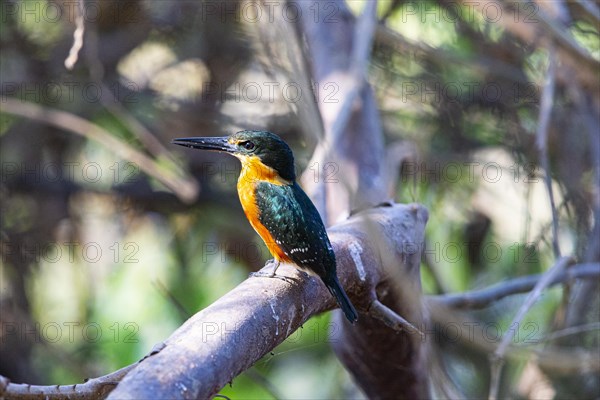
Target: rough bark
[(229, 336)]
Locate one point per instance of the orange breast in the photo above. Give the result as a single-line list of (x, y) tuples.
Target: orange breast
[(254, 171)]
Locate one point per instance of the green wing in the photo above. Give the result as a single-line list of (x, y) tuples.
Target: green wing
[(296, 226)]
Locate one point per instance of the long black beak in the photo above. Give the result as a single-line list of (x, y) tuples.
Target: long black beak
[(206, 143)]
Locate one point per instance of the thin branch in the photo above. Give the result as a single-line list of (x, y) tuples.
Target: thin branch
[(573, 330), (559, 360), (497, 359), (114, 105), (390, 318), (263, 382), (96, 388), (147, 138), (185, 188), (563, 37), (583, 66), (77, 37), (543, 283), (397, 42), (546, 104), (589, 10), (170, 297), (483, 298)]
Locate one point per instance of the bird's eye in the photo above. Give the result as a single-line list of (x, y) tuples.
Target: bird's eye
[(248, 145)]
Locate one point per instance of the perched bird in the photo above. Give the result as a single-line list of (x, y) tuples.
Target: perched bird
[(277, 208)]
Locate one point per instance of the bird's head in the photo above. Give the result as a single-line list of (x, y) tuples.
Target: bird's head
[(250, 147)]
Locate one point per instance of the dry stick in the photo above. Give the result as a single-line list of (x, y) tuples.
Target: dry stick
[(96, 388), (546, 103), (559, 360), (77, 37), (478, 299), (185, 189), (147, 138), (573, 330), (497, 359), (391, 319)]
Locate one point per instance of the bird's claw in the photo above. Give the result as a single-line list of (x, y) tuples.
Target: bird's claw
[(261, 274)]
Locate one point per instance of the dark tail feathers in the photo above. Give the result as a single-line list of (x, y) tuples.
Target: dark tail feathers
[(342, 299)]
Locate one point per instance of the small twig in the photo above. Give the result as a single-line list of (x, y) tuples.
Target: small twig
[(546, 104), (573, 330), (560, 360), (495, 375), (583, 65), (497, 358), (390, 318), (543, 283), (562, 36), (401, 45), (185, 189), (96, 388), (478, 299), (263, 382), (147, 138), (590, 9), (163, 290), (77, 37)]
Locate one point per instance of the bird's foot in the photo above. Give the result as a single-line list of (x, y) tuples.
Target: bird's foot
[(261, 274)]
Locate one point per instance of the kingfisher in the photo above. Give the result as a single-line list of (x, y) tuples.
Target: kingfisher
[(277, 208)]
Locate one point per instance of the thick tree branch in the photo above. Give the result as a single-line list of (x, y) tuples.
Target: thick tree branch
[(221, 341)]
